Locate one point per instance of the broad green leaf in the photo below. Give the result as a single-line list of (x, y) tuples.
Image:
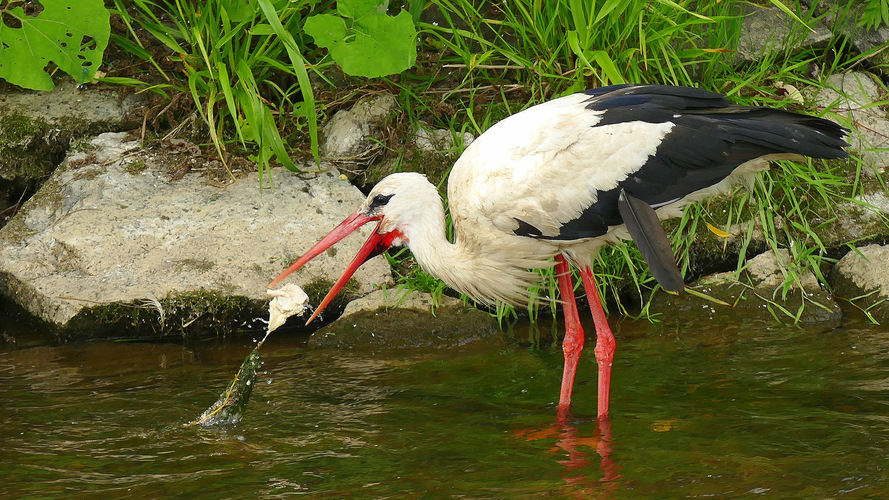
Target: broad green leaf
[(357, 8), (326, 29), (72, 34), (376, 45), (388, 46)]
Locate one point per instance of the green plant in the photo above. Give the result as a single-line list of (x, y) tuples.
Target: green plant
[(876, 12), (72, 35), (569, 45), (232, 52), (364, 40), (410, 276)]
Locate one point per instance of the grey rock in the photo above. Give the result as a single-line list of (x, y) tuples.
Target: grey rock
[(848, 22), (766, 28), (865, 40), (431, 140), (757, 294), (851, 95), (37, 128), (861, 219), (114, 229), (862, 276), (348, 135), (66, 101)]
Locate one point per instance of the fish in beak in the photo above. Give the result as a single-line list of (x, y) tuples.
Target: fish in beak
[(375, 245)]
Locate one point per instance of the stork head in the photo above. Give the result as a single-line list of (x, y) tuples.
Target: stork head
[(391, 202)]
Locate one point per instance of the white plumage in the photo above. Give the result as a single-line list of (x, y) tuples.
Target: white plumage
[(552, 184)]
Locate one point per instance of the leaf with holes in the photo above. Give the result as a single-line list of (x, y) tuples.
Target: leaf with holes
[(72, 34), (364, 40)]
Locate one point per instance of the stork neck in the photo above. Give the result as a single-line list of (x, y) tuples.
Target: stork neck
[(429, 243), (485, 266)]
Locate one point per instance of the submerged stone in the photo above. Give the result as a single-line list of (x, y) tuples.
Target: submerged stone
[(386, 320), (764, 290), (862, 277)]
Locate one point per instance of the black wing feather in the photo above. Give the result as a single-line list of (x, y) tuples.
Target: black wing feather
[(709, 140), (646, 230)]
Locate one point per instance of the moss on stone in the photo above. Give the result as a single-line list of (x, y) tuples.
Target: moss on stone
[(196, 314), (49, 197), (89, 173), (317, 289), (22, 152), (31, 148), (19, 130), (15, 231), (82, 145), (200, 265), (135, 167)]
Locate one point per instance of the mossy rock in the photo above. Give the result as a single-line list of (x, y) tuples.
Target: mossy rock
[(30, 148), (38, 128), (198, 314), (861, 278), (756, 294)]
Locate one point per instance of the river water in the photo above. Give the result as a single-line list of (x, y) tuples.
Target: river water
[(704, 409)]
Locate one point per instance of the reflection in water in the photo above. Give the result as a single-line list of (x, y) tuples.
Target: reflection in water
[(580, 472)]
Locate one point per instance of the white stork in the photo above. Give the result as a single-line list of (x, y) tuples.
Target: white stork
[(552, 184)]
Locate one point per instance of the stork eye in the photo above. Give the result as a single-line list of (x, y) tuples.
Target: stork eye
[(380, 200)]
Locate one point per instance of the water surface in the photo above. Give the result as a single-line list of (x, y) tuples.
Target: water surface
[(703, 409)]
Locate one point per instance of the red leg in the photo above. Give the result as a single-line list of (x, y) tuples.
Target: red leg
[(572, 345), (604, 339)]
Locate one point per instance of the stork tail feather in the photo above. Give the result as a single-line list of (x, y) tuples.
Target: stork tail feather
[(645, 228)]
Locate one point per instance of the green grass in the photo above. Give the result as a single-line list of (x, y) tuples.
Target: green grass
[(411, 277), (875, 14), (559, 47), (232, 55)]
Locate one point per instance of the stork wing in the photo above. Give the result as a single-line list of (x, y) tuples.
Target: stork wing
[(555, 171)]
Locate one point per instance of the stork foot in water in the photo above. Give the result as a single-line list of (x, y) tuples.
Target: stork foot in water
[(552, 184)]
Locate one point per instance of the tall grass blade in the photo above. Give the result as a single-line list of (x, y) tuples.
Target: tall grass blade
[(299, 67)]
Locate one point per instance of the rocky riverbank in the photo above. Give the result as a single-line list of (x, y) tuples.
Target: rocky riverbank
[(121, 240)]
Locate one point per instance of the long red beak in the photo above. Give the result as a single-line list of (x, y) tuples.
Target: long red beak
[(375, 245)]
